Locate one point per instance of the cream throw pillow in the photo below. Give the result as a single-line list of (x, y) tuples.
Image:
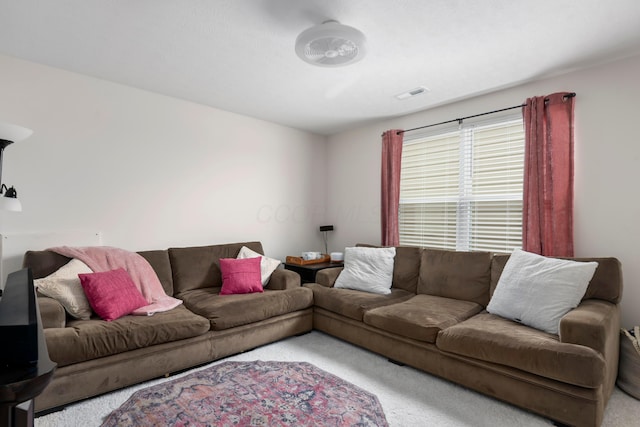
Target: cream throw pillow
[(367, 269), (267, 265), (64, 286), (537, 291)]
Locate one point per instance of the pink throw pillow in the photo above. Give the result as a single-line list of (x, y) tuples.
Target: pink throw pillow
[(240, 276), (111, 294)]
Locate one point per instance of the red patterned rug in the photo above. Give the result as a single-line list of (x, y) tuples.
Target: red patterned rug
[(252, 394)]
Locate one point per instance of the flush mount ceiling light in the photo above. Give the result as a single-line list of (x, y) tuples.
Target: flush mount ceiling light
[(330, 44)]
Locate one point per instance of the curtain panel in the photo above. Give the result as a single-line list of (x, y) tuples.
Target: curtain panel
[(390, 195), (547, 224)]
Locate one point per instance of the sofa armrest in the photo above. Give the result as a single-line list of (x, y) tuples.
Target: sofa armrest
[(595, 324), (283, 279), (327, 276), (52, 313)]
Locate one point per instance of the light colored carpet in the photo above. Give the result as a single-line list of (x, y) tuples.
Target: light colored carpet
[(409, 397)]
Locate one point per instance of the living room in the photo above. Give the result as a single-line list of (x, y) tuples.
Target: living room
[(151, 171)]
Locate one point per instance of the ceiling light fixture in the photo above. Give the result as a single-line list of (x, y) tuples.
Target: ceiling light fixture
[(8, 135), (331, 44)]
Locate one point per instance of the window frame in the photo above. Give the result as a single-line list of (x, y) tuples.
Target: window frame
[(469, 202)]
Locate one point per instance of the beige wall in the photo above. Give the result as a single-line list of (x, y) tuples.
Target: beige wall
[(150, 172), (607, 160)]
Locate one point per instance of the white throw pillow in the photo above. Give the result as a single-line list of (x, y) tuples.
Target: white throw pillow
[(267, 265), (537, 291), (64, 286), (367, 269)]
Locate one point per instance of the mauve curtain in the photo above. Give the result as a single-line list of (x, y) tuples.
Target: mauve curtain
[(391, 161), (547, 223)]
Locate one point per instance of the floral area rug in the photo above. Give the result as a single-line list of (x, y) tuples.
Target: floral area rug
[(252, 394)]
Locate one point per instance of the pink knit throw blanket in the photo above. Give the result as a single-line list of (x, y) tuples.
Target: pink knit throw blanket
[(105, 258)]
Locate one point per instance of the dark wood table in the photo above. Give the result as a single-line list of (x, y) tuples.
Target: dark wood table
[(308, 272)]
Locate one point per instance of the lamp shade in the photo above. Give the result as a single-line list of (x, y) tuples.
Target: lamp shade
[(10, 204), (9, 134), (13, 133)]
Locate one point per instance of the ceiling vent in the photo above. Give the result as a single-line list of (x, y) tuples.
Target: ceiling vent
[(330, 44), (413, 92)]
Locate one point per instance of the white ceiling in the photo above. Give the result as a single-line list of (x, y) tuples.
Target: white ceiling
[(238, 55)]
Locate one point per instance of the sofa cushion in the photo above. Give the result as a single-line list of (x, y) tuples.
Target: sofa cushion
[(43, 263), (454, 274), (240, 275), (228, 311), (606, 283), (406, 266), (367, 269), (537, 291), (267, 265), (352, 303), (112, 294), (159, 260), (198, 267), (85, 340), (52, 313), (494, 339), (64, 286), (421, 317)]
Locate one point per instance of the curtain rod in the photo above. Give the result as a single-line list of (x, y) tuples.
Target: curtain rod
[(569, 95)]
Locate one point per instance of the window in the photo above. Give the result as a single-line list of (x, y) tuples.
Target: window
[(462, 188)]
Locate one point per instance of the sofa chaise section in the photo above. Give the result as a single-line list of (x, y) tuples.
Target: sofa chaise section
[(442, 327)]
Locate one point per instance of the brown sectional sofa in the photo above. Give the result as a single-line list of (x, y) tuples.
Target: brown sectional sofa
[(435, 320), (95, 357)]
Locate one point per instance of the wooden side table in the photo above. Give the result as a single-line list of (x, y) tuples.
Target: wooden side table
[(308, 272)]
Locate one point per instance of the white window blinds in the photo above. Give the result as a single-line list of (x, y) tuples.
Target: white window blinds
[(462, 189)]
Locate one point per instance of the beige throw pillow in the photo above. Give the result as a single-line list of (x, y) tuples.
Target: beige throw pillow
[(64, 286), (267, 265)]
